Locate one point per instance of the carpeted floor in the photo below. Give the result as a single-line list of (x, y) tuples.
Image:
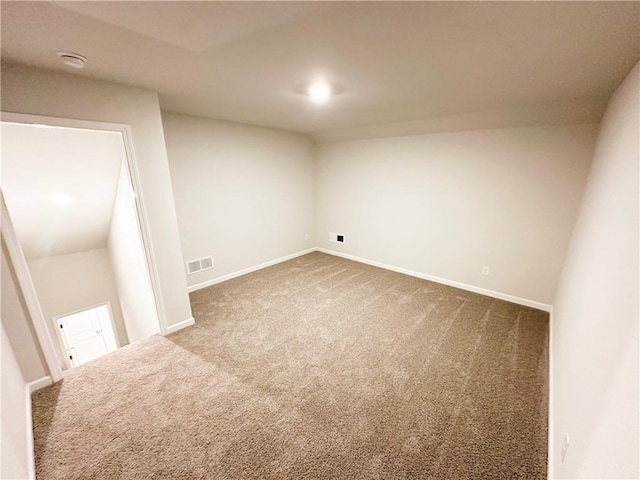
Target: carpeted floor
[(318, 367)]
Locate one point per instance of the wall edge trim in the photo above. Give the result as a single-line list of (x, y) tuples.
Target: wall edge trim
[(550, 431), (452, 283), (180, 325), (244, 271), (39, 384), (29, 388)]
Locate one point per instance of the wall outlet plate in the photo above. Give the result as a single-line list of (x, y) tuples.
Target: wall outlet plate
[(336, 237), (485, 270)]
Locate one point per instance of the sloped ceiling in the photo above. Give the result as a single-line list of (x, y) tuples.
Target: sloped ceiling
[(41, 163)]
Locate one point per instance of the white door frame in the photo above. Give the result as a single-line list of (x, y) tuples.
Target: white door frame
[(25, 284), (61, 339), (17, 256)]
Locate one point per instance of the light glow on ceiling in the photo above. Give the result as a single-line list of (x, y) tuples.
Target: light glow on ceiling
[(319, 92), (60, 199)]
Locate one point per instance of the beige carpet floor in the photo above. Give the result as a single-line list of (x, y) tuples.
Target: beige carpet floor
[(318, 367)]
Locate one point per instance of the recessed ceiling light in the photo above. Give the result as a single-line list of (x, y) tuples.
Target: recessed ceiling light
[(74, 60), (60, 199), (319, 91)]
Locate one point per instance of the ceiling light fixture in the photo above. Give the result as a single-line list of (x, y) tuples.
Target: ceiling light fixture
[(60, 199), (319, 92), (74, 60)]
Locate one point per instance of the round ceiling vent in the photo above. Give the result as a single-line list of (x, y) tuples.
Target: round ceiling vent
[(72, 59)]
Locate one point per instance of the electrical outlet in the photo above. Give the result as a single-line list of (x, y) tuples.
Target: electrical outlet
[(485, 270), (306, 237), (564, 448)]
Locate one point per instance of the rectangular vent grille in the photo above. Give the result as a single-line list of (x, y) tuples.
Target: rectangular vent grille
[(198, 265), (206, 263)]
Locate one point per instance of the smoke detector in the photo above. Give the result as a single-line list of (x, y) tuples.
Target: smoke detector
[(72, 59)]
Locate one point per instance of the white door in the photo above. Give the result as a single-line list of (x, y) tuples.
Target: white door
[(84, 335)]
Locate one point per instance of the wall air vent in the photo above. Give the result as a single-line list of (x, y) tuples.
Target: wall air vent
[(198, 265), (206, 263)]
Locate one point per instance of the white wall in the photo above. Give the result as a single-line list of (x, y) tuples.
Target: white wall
[(41, 92), (127, 256), (243, 194), (17, 324), (68, 283), (595, 326), (447, 204), (15, 462)]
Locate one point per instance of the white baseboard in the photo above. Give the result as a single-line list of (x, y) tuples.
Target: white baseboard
[(28, 421), (29, 425), (39, 383), (29, 388), (180, 325), (483, 291), (463, 286), (550, 446), (244, 271)]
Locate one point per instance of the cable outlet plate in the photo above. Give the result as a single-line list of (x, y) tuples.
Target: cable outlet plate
[(336, 237)]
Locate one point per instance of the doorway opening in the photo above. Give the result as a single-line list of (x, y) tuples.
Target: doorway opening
[(77, 235), (88, 334)]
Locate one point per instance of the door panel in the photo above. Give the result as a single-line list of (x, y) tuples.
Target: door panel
[(83, 336), (78, 324), (87, 350)]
